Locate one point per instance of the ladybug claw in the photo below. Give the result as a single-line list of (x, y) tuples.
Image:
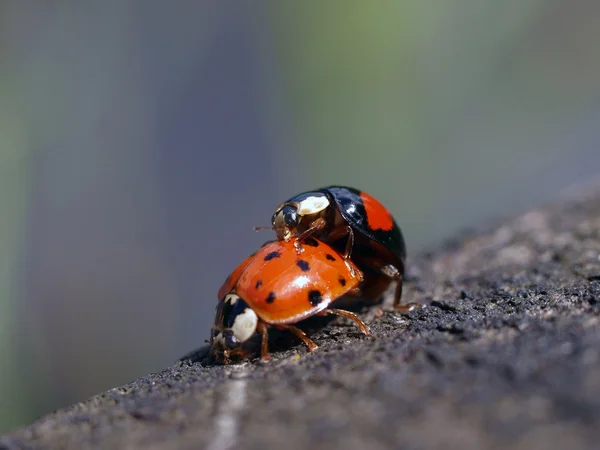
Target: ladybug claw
[(408, 307), (348, 315), (300, 335), (298, 247), (353, 272)]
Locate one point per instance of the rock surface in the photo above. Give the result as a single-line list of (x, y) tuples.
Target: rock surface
[(505, 355)]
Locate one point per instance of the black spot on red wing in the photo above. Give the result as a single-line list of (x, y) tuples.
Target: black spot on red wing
[(272, 255), (304, 266), (270, 298), (258, 284), (329, 257), (315, 297), (342, 281), (311, 242)]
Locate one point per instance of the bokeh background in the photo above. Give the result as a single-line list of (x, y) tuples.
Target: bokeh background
[(141, 141)]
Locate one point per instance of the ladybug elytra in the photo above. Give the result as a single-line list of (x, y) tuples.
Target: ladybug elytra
[(278, 287)]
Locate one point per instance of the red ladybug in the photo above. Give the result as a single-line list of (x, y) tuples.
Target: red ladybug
[(278, 287), (357, 225)]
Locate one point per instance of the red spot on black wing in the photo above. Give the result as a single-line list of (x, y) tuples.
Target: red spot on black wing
[(315, 297), (378, 217)]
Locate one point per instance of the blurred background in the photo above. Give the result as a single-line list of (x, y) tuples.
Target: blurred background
[(141, 141)]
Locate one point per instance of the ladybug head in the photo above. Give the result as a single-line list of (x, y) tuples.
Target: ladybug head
[(235, 323), (289, 215), (285, 221)]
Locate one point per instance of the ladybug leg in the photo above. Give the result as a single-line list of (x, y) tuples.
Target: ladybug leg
[(317, 225), (394, 273), (264, 345), (348, 251), (349, 243), (300, 335), (349, 315), (225, 357)]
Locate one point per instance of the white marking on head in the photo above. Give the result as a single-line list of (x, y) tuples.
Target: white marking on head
[(244, 325), (219, 340), (231, 298), (312, 205)]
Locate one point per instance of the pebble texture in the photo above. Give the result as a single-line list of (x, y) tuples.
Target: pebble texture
[(506, 354)]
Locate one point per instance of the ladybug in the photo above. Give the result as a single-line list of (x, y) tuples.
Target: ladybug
[(357, 225), (278, 287)]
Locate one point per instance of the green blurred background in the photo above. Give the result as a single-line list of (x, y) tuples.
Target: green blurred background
[(140, 142)]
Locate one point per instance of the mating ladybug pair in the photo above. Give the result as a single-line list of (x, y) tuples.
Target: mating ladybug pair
[(331, 242)]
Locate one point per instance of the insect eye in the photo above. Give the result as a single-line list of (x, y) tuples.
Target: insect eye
[(290, 216), (230, 340), (287, 216)]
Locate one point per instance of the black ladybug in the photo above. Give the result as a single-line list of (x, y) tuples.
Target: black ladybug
[(354, 222)]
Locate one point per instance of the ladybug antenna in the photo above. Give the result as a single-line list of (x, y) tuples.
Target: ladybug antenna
[(263, 228)]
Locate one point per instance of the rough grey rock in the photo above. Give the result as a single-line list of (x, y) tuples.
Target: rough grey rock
[(505, 355)]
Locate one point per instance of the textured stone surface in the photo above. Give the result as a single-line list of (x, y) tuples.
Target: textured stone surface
[(505, 355)]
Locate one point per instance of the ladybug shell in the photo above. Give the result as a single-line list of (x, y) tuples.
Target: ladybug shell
[(283, 286), (366, 215), (234, 276)]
